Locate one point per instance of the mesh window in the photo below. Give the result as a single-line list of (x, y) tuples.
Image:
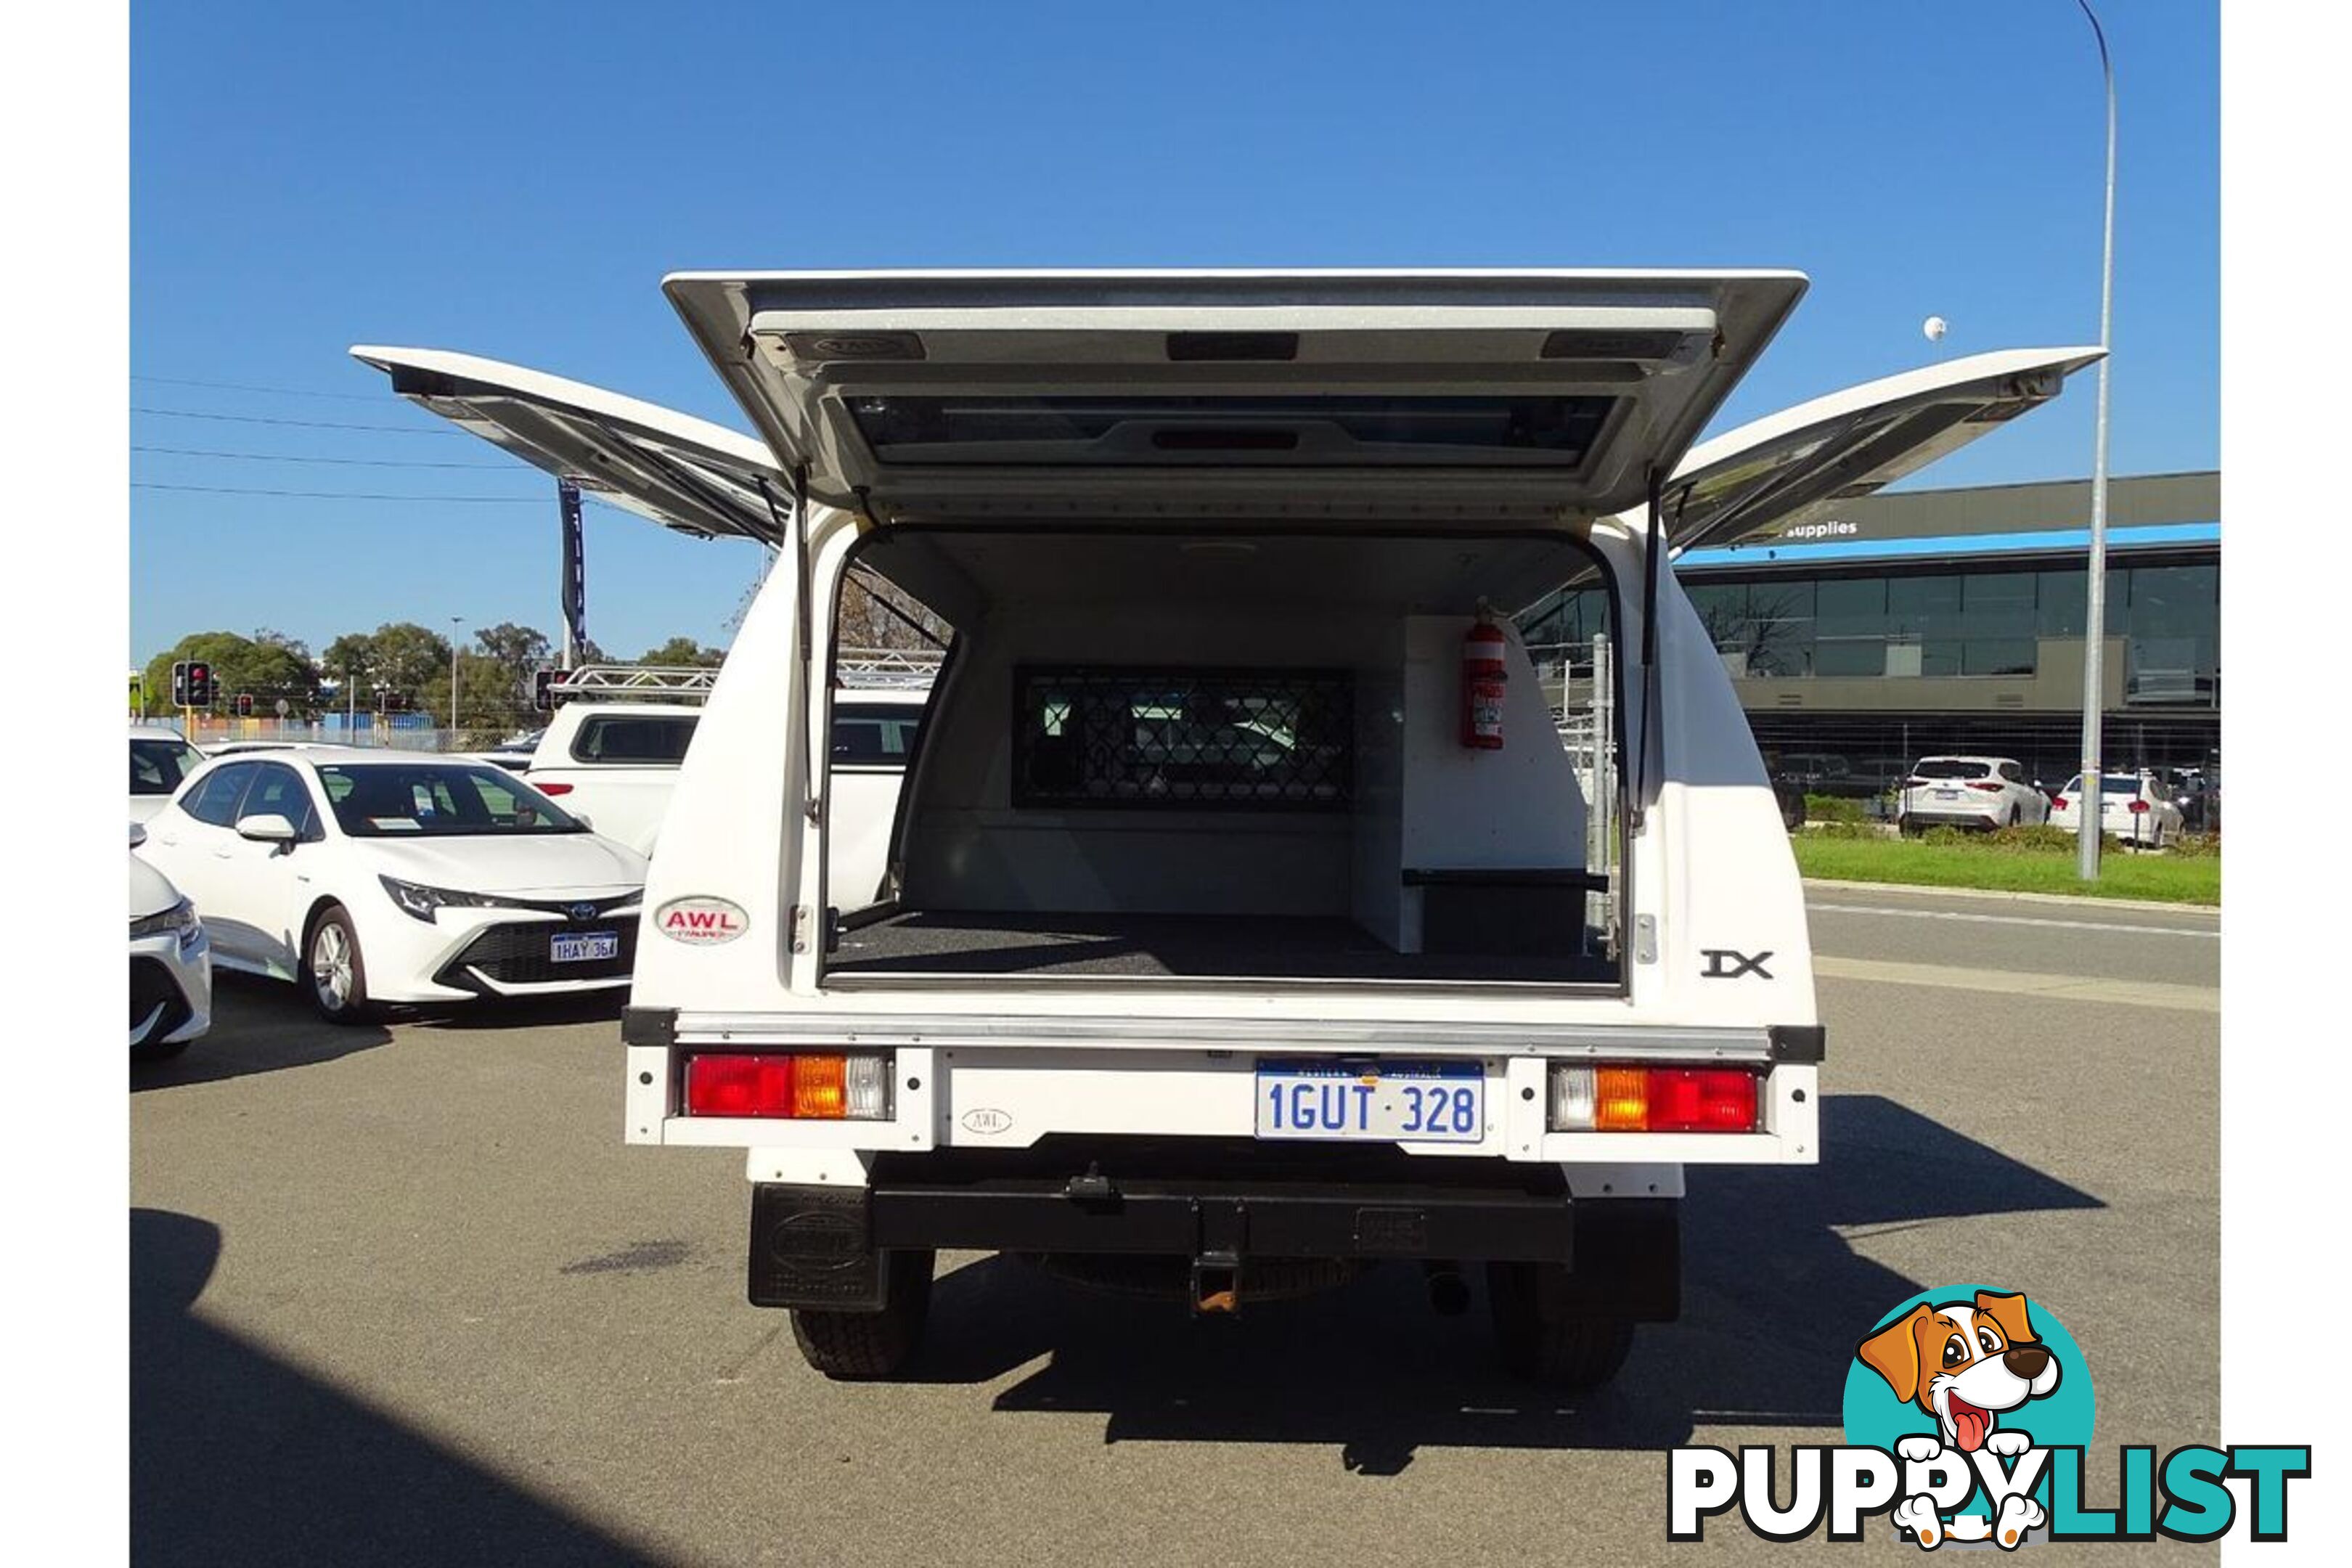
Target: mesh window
[(1259, 740)]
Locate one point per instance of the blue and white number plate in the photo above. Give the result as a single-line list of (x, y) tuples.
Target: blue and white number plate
[(585, 947), (1370, 1100)]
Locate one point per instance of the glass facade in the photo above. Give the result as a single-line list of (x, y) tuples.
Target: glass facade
[(1984, 621)]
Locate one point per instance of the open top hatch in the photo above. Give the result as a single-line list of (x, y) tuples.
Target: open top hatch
[(684, 473), (1778, 471), (1464, 396)]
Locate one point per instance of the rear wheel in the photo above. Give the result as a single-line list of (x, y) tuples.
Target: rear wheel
[(862, 1346), (1543, 1342), (159, 1051), (333, 972)]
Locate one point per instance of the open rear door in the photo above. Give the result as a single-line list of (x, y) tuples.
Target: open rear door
[(682, 472), (1781, 469), (1435, 397)]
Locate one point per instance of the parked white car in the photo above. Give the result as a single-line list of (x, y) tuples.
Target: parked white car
[(2134, 806), (171, 964), (376, 877), (618, 762), (1979, 793), (160, 760)]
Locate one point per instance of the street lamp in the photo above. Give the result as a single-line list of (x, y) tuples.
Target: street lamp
[(2095, 616), (454, 622)]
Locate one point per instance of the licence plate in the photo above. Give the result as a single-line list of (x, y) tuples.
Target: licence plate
[(1372, 1101), (1947, 795), (584, 948)]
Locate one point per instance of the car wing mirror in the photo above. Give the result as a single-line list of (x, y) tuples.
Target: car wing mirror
[(138, 834), (266, 828)]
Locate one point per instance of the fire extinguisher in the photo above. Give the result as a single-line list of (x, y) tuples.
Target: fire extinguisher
[(1483, 674)]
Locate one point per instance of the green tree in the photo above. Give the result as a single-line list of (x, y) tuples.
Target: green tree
[(520, 649), (266, 671), (399, 655), (685, 652)]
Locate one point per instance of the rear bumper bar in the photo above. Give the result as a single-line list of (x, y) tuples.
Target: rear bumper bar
[(821, 1246)]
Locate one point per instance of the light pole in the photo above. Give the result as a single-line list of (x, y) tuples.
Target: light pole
[(2095, 614), (454, 622)]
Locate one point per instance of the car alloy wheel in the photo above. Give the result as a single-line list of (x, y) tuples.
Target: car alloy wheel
[(335, 972)]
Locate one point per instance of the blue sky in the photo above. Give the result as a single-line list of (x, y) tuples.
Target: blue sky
[(513, 180)]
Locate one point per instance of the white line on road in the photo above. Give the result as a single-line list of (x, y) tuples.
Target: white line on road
[(2016, 921), (2013, 983)]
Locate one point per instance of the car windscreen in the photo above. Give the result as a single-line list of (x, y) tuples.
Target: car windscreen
[(1952, 768), (158, 767), (388, 800)]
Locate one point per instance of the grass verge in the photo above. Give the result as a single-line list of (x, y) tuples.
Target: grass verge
[(2170, 878)]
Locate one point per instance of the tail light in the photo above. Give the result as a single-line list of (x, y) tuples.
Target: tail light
[(2057, 803), (2137, 807), (1913, 782), (1652, 1100), (552, 789), (1987, 788), (803, 1086)]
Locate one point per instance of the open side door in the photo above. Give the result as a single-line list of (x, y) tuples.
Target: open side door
[(1785, 469), (1439, 397), (682, 472)]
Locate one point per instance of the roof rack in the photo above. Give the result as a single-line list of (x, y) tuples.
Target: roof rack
[(906, 669), (684, 682)]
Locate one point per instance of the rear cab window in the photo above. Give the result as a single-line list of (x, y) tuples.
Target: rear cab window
[(644, 738), (874, 735)]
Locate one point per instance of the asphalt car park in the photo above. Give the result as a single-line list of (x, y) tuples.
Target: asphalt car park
[(400, 1294)]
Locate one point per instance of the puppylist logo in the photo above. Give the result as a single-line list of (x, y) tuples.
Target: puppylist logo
[(1968, 1411)]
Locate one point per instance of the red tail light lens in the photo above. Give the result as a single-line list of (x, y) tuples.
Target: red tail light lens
[(1913, 782), (2138, 806), (1702, 1100), (739, 1085), (1988, 788), (552, 789), (2057, 803)]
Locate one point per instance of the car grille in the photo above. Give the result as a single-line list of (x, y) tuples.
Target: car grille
[(152, 984), (517, 954)]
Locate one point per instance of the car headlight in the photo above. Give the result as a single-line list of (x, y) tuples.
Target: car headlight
[(415, 899), (179, 920)]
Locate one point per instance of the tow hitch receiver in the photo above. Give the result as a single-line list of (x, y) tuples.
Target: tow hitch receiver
[(1222, 1226)]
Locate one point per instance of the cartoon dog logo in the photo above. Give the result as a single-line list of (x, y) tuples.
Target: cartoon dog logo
[(1965, 1364)]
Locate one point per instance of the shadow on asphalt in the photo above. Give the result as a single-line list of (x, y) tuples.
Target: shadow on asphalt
[(237, 1457), (259, 1025), (524, 1013), (1372, 1370)]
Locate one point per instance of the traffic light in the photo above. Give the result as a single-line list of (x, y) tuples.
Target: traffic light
[(179, 683), (542, 696), (244, 704), (200, 685)]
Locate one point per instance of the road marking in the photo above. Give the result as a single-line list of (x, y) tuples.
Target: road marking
[(2014, 983), (2214, 935)]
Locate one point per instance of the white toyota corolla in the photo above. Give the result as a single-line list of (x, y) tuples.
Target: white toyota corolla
[(171, 966), (376, 877)]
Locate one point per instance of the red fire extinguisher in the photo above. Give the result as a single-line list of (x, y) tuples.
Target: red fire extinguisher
[(1483, 674)]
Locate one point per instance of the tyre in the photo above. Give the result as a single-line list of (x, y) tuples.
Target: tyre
[(1909, 828), (159, 1051), (2011, 820), (333, 972), (1543, 1343), (856, 1347)]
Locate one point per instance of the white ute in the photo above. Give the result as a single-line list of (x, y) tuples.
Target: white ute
[(1237, 932)]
